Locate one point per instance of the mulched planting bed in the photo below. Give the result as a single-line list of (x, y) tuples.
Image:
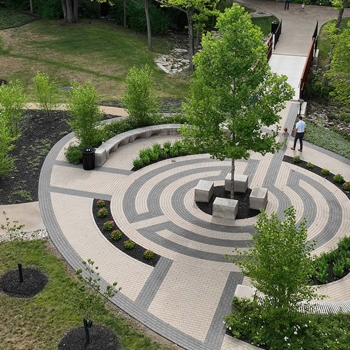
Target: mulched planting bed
[(244, 211), (137, 252), (317, 170), (33, 283), (101, 338)]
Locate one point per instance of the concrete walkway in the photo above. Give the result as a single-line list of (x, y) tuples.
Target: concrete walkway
[(186, 295)]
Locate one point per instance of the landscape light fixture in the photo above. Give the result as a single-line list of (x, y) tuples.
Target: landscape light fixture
[(301, 103)]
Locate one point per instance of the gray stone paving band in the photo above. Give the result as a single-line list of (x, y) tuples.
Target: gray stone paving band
[(217, 329), (154, 281)]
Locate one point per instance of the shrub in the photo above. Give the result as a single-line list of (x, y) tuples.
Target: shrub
[(346, 186), (108, 225), (129, 244), (137, 163), (83, 108), (116, 235), (148, 254), (167, 145), (338, 269), (309, 165), (145, 159), (325, 172), (296, 159), (174, 151), (73, 154), (102, 212), (139, 97), (101, 203), (338, 178), (154, 156), (156, 147), (46, 92)]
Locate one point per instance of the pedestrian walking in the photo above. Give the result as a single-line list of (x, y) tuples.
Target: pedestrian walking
[(300, 128), (286, 4), (285, 134), (302, 6)]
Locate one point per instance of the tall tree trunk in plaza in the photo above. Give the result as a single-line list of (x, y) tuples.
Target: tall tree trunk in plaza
[(149, 31)]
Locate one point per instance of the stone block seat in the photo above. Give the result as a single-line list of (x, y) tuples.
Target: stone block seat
[(258, 198), (225, 208), (103, 152), (203, 191), (240, 183)]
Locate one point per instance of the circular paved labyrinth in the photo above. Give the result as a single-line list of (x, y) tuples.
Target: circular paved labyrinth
[(156, 207)]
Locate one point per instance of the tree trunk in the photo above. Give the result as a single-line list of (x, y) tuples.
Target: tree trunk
[(340, 15), (149, 31), (190, 12), (232, 179), (124, 13), (31, 6), (70, 10)]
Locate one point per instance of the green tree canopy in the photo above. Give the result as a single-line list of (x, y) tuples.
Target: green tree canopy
[(234, 94)]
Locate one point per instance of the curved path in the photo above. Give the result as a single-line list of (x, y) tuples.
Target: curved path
[(186, 295)]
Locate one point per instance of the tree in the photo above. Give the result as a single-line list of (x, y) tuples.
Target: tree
[(279, 265), (340, 5), (12, 101), (196, 11), (339, 72), (149, 30), (83, 108), (234, 94), (139, 97), (92, 279), (46, 92)]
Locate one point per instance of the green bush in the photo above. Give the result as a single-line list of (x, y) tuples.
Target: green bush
[(338, 269), (73, 154), (309, 165), (145, 159), (325, 172), (137, 163), (167, 145), (338, 178), (102, 212), (346, 186), (116, 235), (83, 108), (323, 2), (101, 203), (296, 159), (129, 244), (108, 225), (139, 97), (148, 254), (154, 156)]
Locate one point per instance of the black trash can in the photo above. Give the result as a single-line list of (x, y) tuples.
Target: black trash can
[(274, 26), (88, 153)]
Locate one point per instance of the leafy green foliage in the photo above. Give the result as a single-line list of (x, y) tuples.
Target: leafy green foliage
[(139, 97), (346, 186), (327, 139), (234, 94), (148, 254), (6, 145), (325, 172), (309, 165), (83, 108), (109, 225), (12, 101), (46, 92), (102, 212), (90, 276), (279, 265), (116, 235), (73, 154), (338, 178), (129, 244)]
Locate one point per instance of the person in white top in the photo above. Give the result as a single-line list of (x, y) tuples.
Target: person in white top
[(299, 133)]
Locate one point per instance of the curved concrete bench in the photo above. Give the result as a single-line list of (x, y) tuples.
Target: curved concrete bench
[(103, 152)]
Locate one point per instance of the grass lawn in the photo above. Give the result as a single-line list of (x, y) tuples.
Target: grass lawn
[(90, 50), (10, 18), (264, 23), (41, 322)]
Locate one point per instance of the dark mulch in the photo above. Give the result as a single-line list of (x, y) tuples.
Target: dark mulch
[(39, 134), (101, 338), (244, 211), (317, 170), (137, 252), (33, 283)]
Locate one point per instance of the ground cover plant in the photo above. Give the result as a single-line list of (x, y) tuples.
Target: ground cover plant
[(9, 18), (56, 309)]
